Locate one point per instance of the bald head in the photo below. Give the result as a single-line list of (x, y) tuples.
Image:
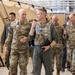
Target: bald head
[(21, 10), (22, 15), (54, 19)]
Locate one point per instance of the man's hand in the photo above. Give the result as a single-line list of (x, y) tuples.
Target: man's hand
[(24, 39), (45, 48), (33, 24)]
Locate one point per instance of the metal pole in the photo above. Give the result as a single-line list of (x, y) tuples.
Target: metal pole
[(65, 17), (5, 19)]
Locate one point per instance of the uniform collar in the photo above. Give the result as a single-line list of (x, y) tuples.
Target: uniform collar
[(43, 24), (17, 22)]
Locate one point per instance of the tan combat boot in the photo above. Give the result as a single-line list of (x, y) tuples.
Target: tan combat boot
[(58, 72)]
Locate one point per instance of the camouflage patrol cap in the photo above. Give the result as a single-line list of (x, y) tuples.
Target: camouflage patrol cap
[(42, 9)]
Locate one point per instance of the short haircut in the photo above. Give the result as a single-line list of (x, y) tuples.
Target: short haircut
[(68, 19), (42, 9), (12, 13)]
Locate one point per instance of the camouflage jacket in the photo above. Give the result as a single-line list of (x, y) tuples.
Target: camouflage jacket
[(71, 33), (60, 31), (15, 33)]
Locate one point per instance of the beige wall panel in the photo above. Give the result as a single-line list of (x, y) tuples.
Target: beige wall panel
[(1, 26)]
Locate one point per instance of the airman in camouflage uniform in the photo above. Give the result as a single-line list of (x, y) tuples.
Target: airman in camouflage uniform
[(57, 49), (64, 52), (19, 48), (4, 35), (71, 43)]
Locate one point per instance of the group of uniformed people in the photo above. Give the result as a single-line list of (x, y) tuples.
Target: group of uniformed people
[(49, 41)]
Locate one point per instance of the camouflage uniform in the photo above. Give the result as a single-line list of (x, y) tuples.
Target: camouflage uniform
[(57, 49), (71, 46), (19, 50), (47, 31)]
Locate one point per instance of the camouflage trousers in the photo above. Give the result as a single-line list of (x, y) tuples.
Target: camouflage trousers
[(57, 53), (18, 57), (73, 61), (69, 55)]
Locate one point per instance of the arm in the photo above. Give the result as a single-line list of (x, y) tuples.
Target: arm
[(3, 36), (31, 34), (65, 34), (9, 37), (8, 40), (32, 31), (54, 36)]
